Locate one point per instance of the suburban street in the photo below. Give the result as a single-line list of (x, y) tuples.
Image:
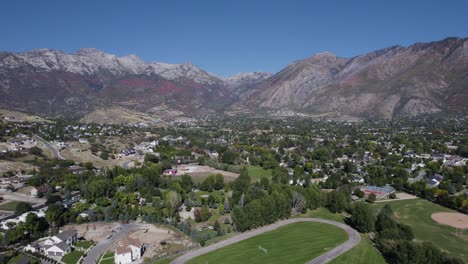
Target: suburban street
[(94, 253), (54, 151), (353, 239)]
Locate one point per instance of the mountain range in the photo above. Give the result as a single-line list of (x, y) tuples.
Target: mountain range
[(394, 82)]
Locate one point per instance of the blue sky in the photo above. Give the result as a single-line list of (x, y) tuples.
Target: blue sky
[(226, 37)]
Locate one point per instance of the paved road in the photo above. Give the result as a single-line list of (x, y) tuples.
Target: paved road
[(54, 151), (353, 239), (94, 253)]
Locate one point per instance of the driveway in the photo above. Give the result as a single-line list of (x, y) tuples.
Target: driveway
[(100, 248), (353, 239)]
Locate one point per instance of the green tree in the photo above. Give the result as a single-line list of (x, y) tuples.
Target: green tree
[(386, 219), (363, 217), (230, 156), (22, 207), (371, 198), (205, 213)]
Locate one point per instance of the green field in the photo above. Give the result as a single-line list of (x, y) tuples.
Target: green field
[(294, 243), (362, 253), (9, 206), (216, 194), (107, 258), (417, 214), (72, 257), (84, 244)]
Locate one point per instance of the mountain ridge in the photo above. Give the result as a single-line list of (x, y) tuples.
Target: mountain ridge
[(397, 81)]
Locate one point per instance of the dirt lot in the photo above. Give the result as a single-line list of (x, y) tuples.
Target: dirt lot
[(149, 235), (457, 220), (152, 237), (94, 231), (202, 172), (16, 166), (80, 152)]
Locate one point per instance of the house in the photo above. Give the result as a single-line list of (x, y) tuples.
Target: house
[(31, 248), (357, 179), (86, 214), (60, 244), (432, 183), (170, 172), (75, 169), (59, 249), (70, 202), (128, 250), (45, 188), (68, 237)]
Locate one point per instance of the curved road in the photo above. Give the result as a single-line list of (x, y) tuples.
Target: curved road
[(54, 151), (353, 239), (100, 248)]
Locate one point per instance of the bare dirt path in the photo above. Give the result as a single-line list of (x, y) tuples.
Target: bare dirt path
[(353, 239)]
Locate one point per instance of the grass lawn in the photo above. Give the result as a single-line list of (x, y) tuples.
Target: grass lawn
[(9, 206), (17, 259), (417, 214), (72, 257), (362, 253), (294, 243), (165, 260), (107, 258), (84, 244), (216, 194), (108, 261), (255, 172)]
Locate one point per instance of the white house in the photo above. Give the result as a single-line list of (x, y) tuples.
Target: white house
[(127, 250), (68, 237), (59, 249)]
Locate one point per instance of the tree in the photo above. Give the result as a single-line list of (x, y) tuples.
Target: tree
[(205, 213), (371, 198), (151, 158), (22, 207), (363, 218), (218, 182), (229, 156), (386, 219), (197, 215), (36, 151), (174, 201), (359, 193), (338, 201), (53, 199), (298, 201), (53, 214)]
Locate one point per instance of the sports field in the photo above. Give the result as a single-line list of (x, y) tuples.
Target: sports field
[(294, 243), (362, 253), (365, 252), (417, 214)]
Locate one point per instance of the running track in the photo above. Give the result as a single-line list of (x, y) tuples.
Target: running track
[(353, 240)]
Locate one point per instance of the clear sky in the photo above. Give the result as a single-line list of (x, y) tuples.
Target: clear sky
[(228, 36)]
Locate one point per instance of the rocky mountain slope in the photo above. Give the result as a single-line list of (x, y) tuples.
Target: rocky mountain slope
[(51, 82), (398, 81), (393, 82)]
